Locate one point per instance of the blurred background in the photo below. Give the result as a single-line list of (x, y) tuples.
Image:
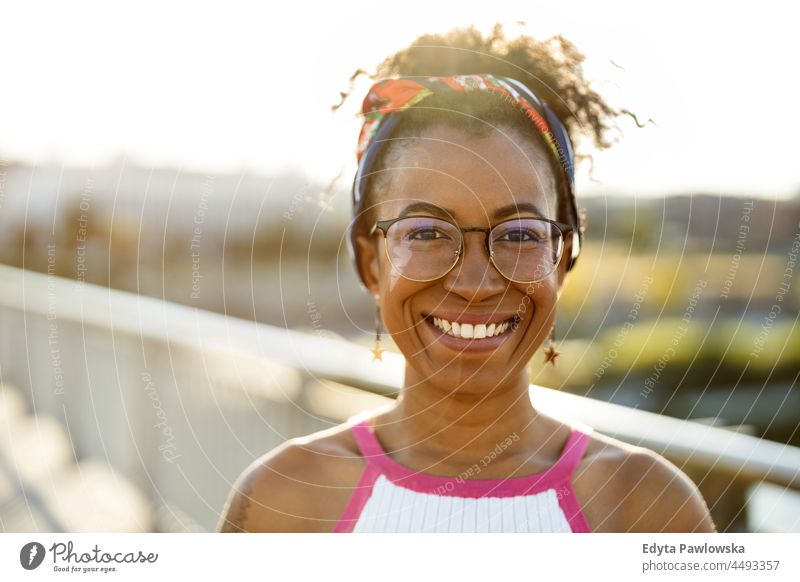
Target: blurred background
[(176, 296)]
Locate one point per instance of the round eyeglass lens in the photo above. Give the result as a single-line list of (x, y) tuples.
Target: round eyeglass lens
[(423, 248), (526, 249)]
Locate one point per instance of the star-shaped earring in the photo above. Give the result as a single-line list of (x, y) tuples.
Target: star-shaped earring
[(550, 355), (377, 351)]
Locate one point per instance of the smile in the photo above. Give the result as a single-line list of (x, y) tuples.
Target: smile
[(474, 330)]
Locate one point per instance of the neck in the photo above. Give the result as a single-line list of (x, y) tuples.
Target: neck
[(425, 422)]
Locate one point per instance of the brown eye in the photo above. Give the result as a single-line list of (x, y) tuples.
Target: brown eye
[(425, 234), (518, 235)]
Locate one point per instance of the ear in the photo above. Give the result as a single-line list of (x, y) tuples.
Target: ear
[(367, 261)]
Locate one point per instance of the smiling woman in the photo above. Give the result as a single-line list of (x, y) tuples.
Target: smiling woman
[(465, 228)]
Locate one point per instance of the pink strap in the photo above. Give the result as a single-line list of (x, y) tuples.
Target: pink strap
[(358, 499), (370, 449), (367, 443), (572, 453)]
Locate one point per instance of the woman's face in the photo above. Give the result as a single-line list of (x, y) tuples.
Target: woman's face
[(475, 182)]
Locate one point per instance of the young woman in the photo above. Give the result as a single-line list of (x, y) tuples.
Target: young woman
[(465, 227)]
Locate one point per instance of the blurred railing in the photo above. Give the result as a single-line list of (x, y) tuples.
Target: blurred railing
[(178, 400)]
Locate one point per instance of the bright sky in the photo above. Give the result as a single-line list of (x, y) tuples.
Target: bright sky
[(231, 85)]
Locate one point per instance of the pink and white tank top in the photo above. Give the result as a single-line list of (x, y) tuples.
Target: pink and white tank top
[(390, 497)]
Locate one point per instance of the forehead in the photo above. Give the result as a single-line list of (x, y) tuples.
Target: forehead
[(472, 176)]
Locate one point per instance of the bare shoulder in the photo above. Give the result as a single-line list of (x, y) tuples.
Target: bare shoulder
[(300, 486), (625, 488)]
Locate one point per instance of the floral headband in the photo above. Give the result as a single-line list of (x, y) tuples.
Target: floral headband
[(396, 95)]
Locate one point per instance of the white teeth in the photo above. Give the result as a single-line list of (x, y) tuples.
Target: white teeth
[(471, 331)]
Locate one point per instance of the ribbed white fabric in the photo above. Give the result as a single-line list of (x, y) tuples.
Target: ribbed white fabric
[(392, 508), (390, 497)]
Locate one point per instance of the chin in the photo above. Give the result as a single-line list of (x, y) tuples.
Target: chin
[(470, 372)]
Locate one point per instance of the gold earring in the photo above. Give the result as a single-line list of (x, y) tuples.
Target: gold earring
[(377, 351), (550, 353)]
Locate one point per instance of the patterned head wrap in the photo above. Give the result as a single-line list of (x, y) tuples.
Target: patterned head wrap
[(396, 95)]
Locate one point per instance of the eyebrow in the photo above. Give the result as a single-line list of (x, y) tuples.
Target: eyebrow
[(426, 207), (518, 208), (502, 212)]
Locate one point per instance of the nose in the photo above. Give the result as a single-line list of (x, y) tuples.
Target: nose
[(474, 277)]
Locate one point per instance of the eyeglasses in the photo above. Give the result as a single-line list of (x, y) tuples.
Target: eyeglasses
[(424, 248)]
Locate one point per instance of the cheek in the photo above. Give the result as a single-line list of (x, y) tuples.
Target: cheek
[(539, 298), (393, 287), (395, 294), (394, 282)]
